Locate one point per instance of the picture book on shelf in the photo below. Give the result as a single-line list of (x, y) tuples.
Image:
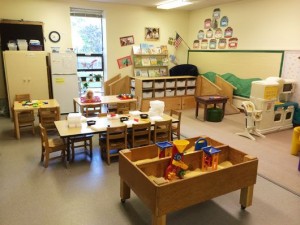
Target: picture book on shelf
[(153, 72), (137, 61), (163, 71), (146, 61), (164, 49), (153, 61), (145, 48), (165, 61), (137, 72), (136, 49), (144, 73)]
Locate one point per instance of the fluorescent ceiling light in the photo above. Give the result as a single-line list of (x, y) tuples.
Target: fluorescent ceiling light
[(173, 4)]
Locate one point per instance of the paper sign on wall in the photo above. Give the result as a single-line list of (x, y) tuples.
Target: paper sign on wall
[(60, 80)]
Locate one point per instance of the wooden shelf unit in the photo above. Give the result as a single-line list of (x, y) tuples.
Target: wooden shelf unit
[(150, 65), (177, 92)]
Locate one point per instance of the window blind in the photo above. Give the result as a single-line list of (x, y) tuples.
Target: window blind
[(86, 12)]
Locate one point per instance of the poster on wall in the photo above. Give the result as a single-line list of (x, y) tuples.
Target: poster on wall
[(128, 40), (233, 43), (207, 23), (171, 41), (200, 35), (152, 34), (218, 33), (222, 43), (209, 33), (224, 21), (214, 24), (228, 32), (217, 13), (212, 44), (124, 62), (204, 44)]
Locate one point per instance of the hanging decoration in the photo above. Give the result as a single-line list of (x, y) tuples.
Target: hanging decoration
[(228, 32), (200, 34), (207, 23), (216, 34), (224, 21)]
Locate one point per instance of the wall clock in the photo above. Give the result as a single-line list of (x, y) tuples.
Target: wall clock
[(54, 36)]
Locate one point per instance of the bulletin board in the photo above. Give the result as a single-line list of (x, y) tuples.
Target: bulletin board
[(242, 63)]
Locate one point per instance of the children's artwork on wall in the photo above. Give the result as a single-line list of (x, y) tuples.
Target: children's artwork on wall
[(196, 44), (228, 32), (128, 40), (217, 13), (209, 33), (124, 62), (207, 23), (152, 34), (224, 21), (200, 34), (171, 41), (218, 33), (222, 43), (233, 43), (204, 44), (212, 43)]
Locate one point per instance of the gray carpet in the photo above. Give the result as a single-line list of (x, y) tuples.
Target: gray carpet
[(88, 193), (275, 161)]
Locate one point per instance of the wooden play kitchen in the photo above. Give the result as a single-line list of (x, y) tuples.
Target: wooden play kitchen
[(143, 171)]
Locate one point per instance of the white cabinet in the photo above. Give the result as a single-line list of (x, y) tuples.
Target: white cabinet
[(26, 72)]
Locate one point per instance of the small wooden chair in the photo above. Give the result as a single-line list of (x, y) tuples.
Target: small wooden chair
[(140, 135), (50, 146), (26, 118), (122, 108), (47, 116), (175, 126), (84, 141), (116, 140), (162, 131), (92, 110)]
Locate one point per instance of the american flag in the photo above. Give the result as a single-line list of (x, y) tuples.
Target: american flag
[(178, 40)]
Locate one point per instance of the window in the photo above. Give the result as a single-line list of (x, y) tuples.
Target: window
[(87, 41)]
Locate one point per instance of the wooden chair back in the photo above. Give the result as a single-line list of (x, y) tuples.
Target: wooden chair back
[(92, 110), (176, 126), (23, 97), (122, 108), (48, 116), (141, 134), (162, 131)]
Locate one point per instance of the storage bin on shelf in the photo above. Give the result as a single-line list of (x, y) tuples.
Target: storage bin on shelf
[(170, 84), (159, 84), (147, 94), (190, 91), (180, 92), (191, 82), (180, 83), (147, 84), (159, 94), (170, 92)]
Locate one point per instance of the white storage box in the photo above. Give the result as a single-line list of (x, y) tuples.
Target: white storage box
[(74, 120), (190, 91), (147, 84), (132, 83), (159, 94), (170, 92), (191, 82), (170, 84), (180, 92), (147, 94), (159, 84), (180, 83)]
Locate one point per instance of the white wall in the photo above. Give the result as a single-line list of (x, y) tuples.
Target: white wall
[(258, 24), (121, 20)]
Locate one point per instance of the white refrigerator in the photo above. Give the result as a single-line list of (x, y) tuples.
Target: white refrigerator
[(65, 83)]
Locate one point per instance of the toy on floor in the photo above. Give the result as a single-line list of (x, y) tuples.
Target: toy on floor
[(252, 116), (177, 167), (210, 158)]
